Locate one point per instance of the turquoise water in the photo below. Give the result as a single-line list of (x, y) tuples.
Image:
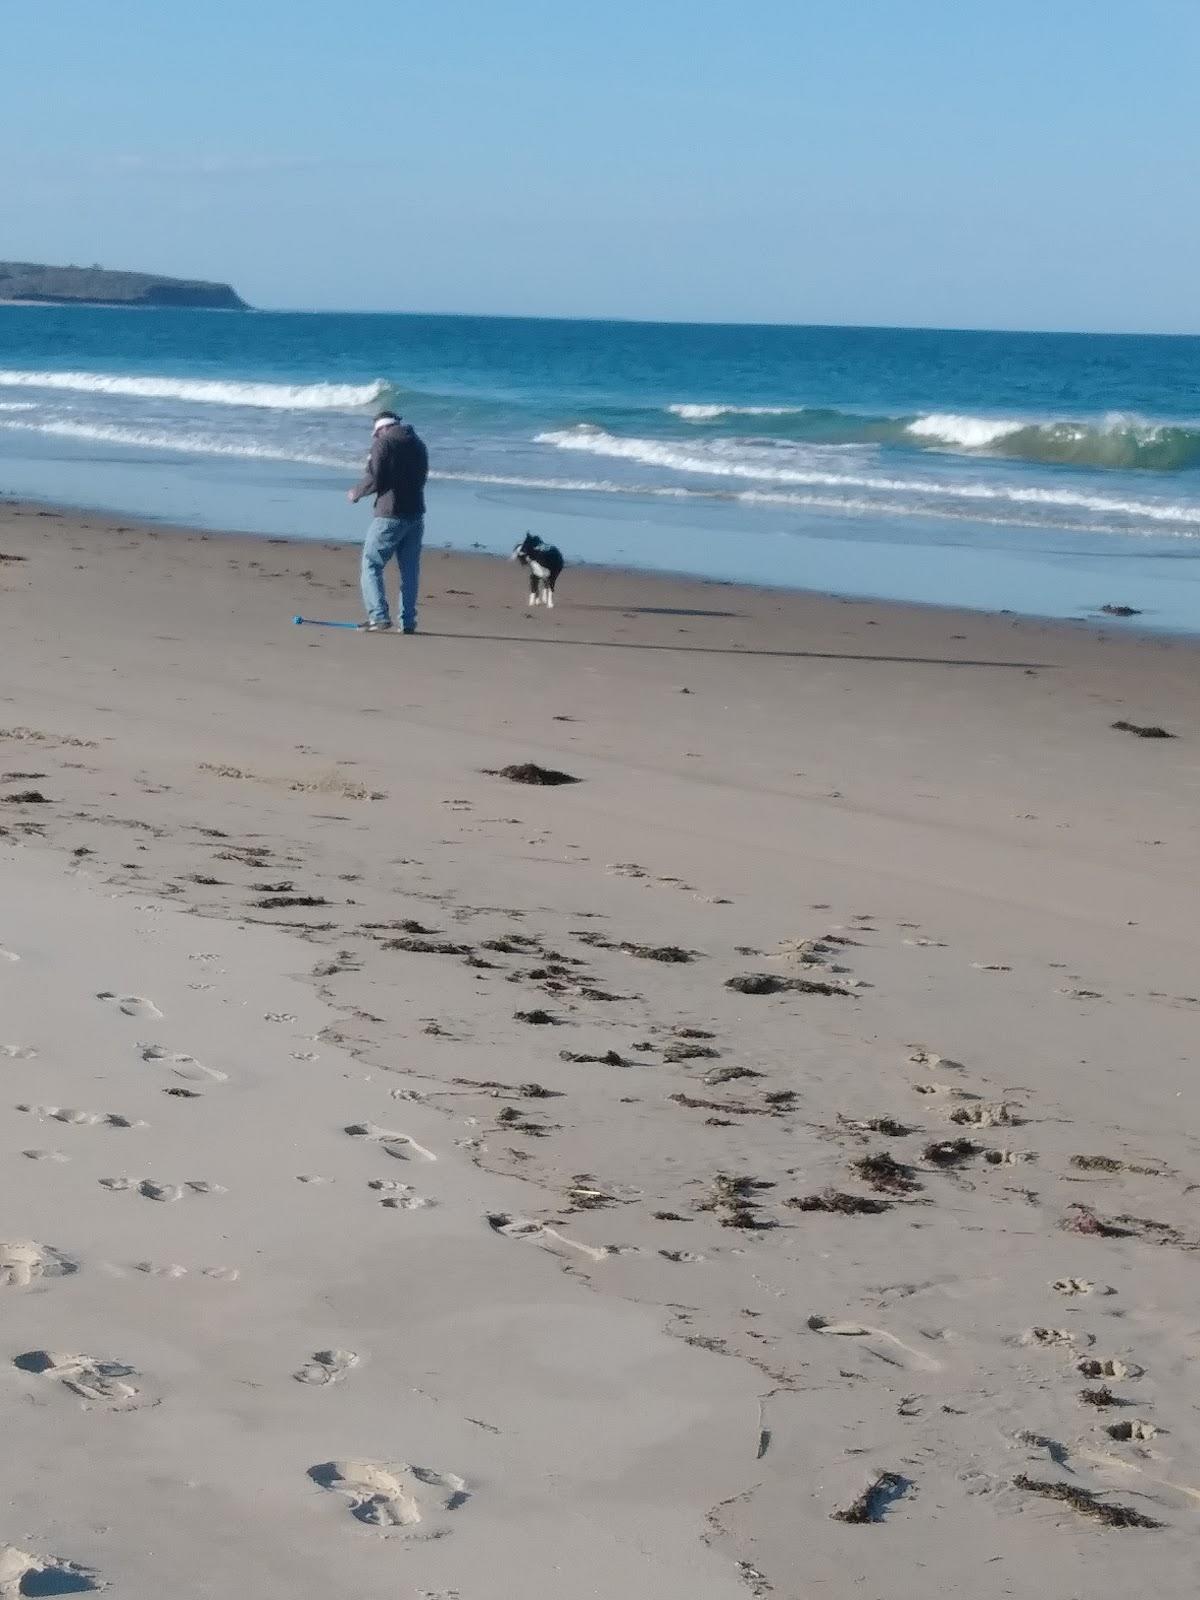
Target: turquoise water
[(1041, 473)]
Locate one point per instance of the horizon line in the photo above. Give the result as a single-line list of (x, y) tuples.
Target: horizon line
[(722, 322), (619, 321)]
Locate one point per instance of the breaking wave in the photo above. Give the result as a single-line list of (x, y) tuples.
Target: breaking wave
[(1119, 441), (691, 413), (218, 392)]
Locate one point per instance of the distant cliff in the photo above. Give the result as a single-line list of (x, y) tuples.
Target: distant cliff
[(94, 286)]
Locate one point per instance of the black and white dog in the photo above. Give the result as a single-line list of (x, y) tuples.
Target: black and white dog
[(544, 563)]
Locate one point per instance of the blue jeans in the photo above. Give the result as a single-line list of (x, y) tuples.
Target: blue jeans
[(387, 537)]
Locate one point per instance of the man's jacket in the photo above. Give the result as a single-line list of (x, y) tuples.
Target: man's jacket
[(396, 472)]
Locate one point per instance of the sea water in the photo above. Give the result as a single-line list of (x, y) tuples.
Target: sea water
[(1042, 473)]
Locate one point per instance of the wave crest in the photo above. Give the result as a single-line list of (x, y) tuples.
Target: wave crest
[(702, 413), (972, 433), (1119, 441), (205, 391)]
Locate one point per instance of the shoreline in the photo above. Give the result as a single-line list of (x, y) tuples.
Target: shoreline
[(1122, 627)]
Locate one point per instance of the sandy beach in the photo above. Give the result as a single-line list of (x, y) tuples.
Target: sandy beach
[(766, 1166)]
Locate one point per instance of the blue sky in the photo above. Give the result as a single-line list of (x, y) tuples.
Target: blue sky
[(1032, 164)]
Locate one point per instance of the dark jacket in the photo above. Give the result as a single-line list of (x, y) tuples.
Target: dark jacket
[(396, 471)]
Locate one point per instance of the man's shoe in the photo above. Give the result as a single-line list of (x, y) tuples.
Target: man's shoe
[(374, 627), (413, 629)]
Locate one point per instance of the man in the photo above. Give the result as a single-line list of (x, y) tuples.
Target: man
[(396, 473)]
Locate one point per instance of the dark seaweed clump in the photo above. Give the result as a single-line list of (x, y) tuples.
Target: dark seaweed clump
[(1085, 1503), (1151, 731), (773, 983), (530, 772), (284, 902), (951, 1152), (882, 1171), (836, 1203), (874, 1500)]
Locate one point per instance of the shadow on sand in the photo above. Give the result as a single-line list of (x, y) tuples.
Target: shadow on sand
[(715, 650)]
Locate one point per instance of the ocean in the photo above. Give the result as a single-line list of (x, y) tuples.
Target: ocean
[(1041, 473)]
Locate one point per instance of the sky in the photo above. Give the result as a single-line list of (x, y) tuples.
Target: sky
[(898, 162)]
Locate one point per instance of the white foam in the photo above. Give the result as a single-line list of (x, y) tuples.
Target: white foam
[(578, 485), (729, 458), (698, 413), (17, 405), (198, 444), (188, 444), (971, 433), (272, 396)]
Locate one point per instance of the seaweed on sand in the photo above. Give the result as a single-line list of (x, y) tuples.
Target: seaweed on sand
[(883, 1172), (836, 1203), (418, 945), (873, 1502), (951, 1152), (734, 1201), (772, 983), (530, 772), (1144, 731), (1085, 1503)]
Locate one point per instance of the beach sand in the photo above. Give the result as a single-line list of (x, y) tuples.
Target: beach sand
[(397, 1199)]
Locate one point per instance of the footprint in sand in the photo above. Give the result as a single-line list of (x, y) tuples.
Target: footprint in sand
[(681, 1256), (920, 1057), (1073, 1285), (1141, 1431), (399, 1496), (131, 1005), (75, 1118), (181, 1064), (855, 1330), (8, 955), (23, 1262), (1056, 1338), (1107, 1368), (325, 1367), (24, 1574), (172, 1270), (399, 1196), (151, 1189), (395, 1144), (17, 1052), (550, 1239), (999, 1114), (45, 1155), (105, 1382)]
